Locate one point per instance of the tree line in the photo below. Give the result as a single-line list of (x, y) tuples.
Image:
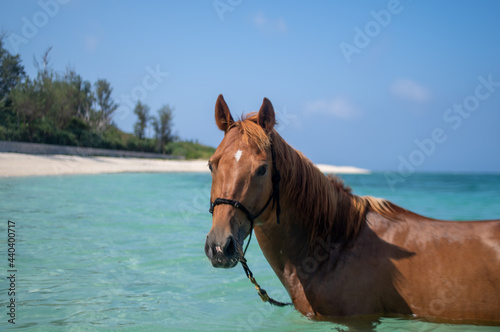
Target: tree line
[(65, 109)]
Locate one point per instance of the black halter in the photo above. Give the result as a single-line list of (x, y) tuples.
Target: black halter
[(275, 197)]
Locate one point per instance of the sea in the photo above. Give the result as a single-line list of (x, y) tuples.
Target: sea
[(126, 252)]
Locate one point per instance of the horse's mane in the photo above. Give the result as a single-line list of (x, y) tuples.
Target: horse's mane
[(325, 205)]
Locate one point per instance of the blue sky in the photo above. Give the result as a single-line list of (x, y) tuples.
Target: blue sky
[(385, 85)]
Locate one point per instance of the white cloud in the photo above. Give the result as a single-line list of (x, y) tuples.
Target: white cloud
[(267, 25), (91, 43), (410, 90), (259, 20), (337, 107), (281, 25)]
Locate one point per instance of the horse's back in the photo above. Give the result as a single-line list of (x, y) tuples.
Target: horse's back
[(452, 269)]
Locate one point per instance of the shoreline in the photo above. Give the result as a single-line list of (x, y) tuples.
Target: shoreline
[(20, 165)]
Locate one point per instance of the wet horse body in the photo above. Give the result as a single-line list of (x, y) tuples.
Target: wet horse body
[(338, 254), (393, 266)]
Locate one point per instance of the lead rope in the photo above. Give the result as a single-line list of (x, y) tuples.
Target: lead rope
[(261, 291)]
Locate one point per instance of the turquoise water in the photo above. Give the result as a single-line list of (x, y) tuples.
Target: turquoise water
[(126, 251)]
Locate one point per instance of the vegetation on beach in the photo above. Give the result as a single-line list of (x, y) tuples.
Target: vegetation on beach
[(65, 109), (190, 149)]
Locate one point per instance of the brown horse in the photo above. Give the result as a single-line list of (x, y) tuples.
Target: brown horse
[(338, 254)]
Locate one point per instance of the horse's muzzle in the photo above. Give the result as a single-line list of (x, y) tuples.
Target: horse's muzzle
[(225, 255)]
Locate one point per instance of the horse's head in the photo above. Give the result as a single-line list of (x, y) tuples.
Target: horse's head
[(242, 183)]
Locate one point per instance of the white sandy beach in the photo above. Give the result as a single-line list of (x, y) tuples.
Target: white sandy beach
[(17, 164)]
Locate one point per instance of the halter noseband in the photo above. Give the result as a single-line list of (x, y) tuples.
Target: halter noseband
[(275, 197)]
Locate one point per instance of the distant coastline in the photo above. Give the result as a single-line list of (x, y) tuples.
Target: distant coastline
[(19, 164)]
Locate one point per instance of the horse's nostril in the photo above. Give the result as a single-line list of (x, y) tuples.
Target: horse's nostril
[(230, 248), (208, 250)]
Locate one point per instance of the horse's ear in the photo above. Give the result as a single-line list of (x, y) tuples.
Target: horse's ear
[(223, 116), (266, 116)]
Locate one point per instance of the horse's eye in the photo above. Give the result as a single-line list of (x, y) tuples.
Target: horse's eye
[(262, 170), (210, 166)]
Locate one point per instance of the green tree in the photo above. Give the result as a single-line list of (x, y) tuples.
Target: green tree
[(11, 74), (38, 106), (142, 112), (162, 126), (44, 69), (106, 104), (65, 109), (79, 95), (11, 71), (46, 106)]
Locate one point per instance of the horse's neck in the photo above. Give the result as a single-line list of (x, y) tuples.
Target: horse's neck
[(319, 206), (296, 263), (318, 217), (298, 236), (282, 243)]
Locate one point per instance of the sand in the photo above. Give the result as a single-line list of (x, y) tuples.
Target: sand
[(17, 164)]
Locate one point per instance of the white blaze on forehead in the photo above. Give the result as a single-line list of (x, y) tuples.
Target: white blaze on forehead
[(237, 155)]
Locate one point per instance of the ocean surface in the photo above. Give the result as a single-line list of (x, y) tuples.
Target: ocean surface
[(126, 251)]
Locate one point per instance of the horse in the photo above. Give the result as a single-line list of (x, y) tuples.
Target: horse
[(338, 254)]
